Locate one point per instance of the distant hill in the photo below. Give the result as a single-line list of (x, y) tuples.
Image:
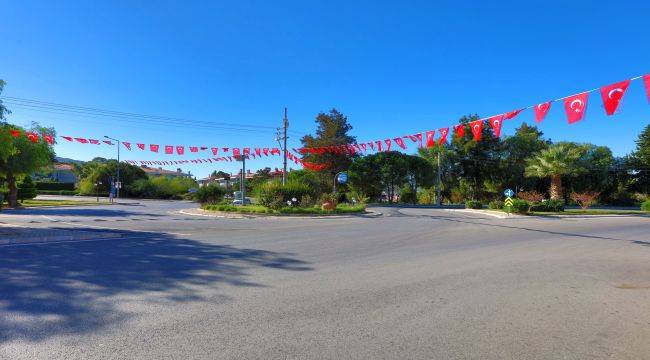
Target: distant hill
[(63, 160)]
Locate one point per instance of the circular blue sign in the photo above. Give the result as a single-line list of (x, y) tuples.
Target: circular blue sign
[(342, 178), (508, 192)]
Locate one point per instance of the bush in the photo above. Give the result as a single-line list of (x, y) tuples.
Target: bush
[(26, 189), (645, 206), (531, 196), (473, 204), (549, 206), (52, 186), (519, 206), (407, 195), (210, 194), (495, 205), (56, 192), (275, 195), (427, 196), (585, 199)]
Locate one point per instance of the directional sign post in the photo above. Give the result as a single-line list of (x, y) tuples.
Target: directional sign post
[(508, 203)]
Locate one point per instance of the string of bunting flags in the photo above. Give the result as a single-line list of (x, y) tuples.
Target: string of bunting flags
[(574, 107)]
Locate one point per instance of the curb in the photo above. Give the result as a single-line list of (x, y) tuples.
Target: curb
[(56, 238), (226, 215), (496, 214)]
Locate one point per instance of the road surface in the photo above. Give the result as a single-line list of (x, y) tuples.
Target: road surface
[(411, 284)]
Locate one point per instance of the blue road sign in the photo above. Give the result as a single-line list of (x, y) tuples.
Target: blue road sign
[(342, 178), (508, 192)]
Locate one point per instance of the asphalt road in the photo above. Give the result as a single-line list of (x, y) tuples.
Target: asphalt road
[(411, 284)]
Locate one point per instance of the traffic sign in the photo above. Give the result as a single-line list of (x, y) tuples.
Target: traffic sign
[(508, 192), (342, 178), (508, 201)]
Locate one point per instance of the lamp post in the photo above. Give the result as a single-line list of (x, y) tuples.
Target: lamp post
[(117, 182), (242, 179), (97, 189)]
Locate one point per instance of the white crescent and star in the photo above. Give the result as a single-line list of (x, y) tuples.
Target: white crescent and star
[(577, 108), (542, 107), (497, 122), (614, 91), (476, 127)]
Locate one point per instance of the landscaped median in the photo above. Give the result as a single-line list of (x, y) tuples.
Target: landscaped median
[(289, 210)]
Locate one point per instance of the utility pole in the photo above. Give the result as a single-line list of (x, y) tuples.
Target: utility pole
[(438, 200), (283, 136), (242, 181), (117, 183)]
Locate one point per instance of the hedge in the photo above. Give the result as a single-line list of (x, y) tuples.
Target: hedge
[(56, 192), (50, 186)]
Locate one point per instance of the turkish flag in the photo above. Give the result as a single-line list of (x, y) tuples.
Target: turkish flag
[(495, 123), (541, 110), (224, 149), (180, 150), (275, 151), (247, 151), (612, 95), (169, 149), (33, 137), (258, 151), (154, 147), (400, 142), (82, 140), (49, 139), (459, 130), (372, 145), (236, 152), (364, 147), (646, 81), (575, 107), (265, 151), (127, 145), (194, 149), (430, 138), (107, 142), (443, 135), (477, 129), (94, 141), (511, 114), (140, 146), (69, 138), (379, 145), (388, 144)]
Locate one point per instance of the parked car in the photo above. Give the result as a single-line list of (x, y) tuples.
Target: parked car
[(237, 195)]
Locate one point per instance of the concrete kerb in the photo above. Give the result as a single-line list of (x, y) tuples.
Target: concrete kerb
[(40, 239), (496, 214), (227, 215)]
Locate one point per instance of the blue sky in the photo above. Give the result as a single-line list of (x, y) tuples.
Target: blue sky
[(392, 68)]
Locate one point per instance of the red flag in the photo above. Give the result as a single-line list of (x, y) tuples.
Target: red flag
[(169, 149), (154, 147), (646, 81), (258, 151), (224, 149), (247, 151), (265, 151), (180, 150), (140, 146), (16, 133), (127, 145), (575, 107), (236, 152), (511, 114), (94, 141), (372, 145), (107, 142), (194, 149), (33, 137), (612, 95), (541, 110), (388, 144), (48, 139), (215, 151), (477, 129), (379, 145), (495, 123), (364, 146), (419, 137), (430, 138), (400, 142), (275, 151), (443, 135), (69, 138), (82, 140), (459, 130)]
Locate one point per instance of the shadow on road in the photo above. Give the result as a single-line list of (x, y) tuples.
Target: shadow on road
[(65, 288), (64, 211)]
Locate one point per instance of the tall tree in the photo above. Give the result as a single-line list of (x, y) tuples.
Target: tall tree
[(640, 161), (3, 109), (332, 130), (19, 156), (526, 142), (556, 161)]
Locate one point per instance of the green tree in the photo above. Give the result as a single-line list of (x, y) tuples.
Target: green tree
[(364, 176), (26, 189), (332, 130), (419, 174), (640, 162), (99, 172), (19, 156), (384, 171), (558, 160), (517, 149), (3, 109)]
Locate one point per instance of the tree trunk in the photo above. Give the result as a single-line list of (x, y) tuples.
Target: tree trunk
[(12, 198), (556, 187)]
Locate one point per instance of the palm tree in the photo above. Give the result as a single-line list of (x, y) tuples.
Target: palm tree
[(554, 162)]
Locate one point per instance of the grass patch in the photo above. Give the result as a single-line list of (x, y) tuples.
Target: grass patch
[(259, 209)]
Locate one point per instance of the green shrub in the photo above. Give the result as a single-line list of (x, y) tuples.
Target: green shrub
[(495, 204), (52, 186), (548, 206), (56, 192), (407, 195), (473, 204), (518, 206), (210, 194), (26, 189), (275, 195), (427, 196), (645, 206)]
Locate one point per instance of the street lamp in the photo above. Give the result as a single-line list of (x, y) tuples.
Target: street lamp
[(117, 183), (97, 189), (242, 180)]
